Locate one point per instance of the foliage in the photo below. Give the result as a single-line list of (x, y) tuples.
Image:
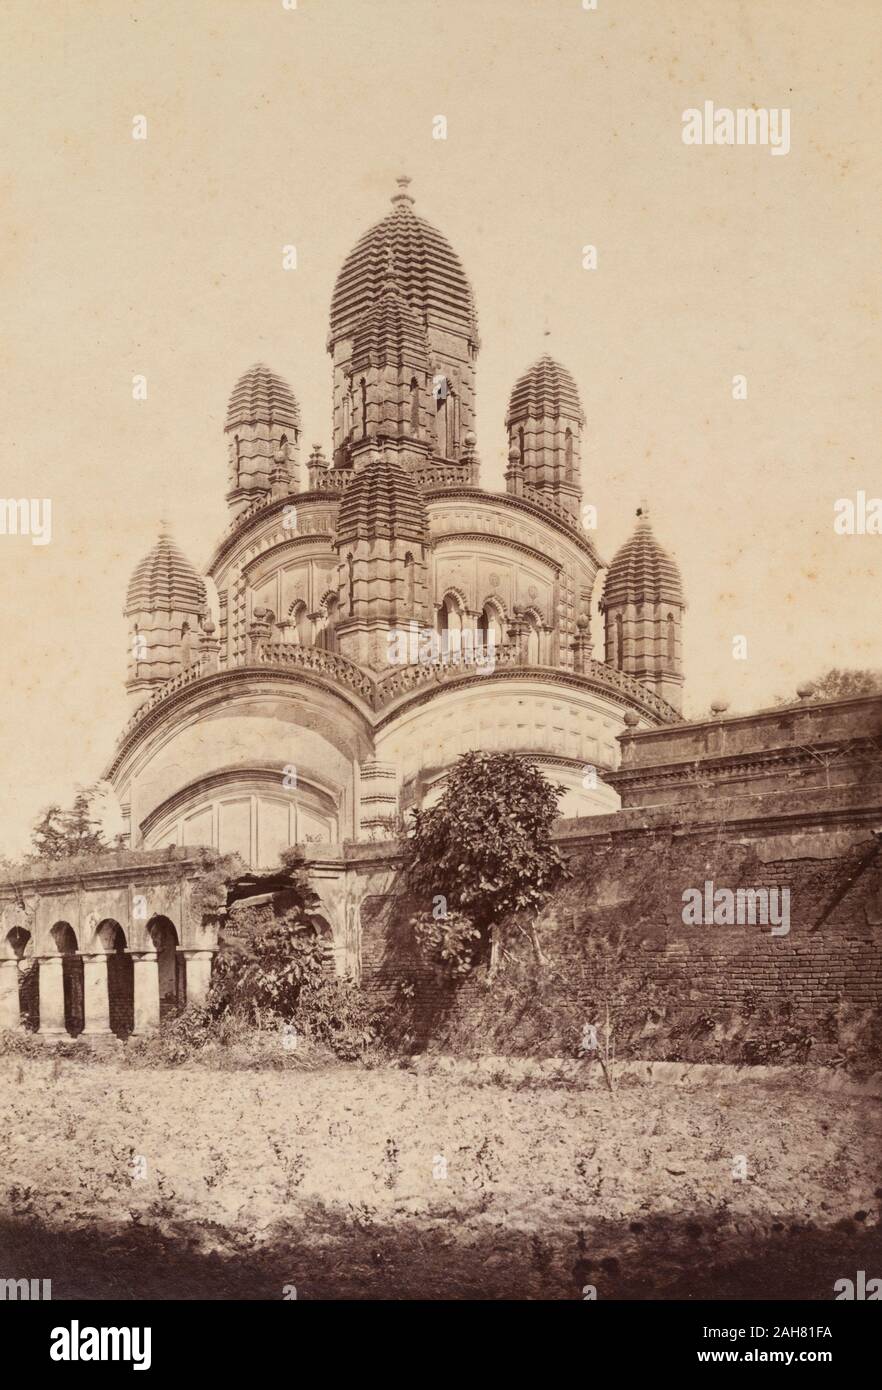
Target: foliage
[(836, 684), (265, 972), (210, 885), (63, 834), (839, 684), (272, 969), (485, 849), (451, 940)]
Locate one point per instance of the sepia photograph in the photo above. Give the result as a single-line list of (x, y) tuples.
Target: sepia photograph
[(441, 544)]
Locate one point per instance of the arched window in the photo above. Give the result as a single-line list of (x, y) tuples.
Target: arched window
[(620, 643), (347, 411), (533, 644), (301, 634), (490, 626), (671, 638), (325, 637), (521, 444), (363, 408), (449, 627), (350, 566), (414, 407), (568, 453), (186, 644)]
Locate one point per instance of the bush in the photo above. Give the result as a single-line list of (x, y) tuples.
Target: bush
[(483, 854), (273, 972), (450, 942)]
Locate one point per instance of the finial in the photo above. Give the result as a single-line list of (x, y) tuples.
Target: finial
[(402, 196), (643, 512), (164, 528)]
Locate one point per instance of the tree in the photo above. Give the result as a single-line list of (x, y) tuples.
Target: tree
[(59, 834), (837, 685), (484, 854)]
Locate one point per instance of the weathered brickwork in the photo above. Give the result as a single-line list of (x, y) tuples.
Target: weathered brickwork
[(615, 933)]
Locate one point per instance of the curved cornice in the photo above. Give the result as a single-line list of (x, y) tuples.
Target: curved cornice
[(224, 778), (519, 504), (547, 675), (216, 684), (255, 520), (484, 537), (282, 547)]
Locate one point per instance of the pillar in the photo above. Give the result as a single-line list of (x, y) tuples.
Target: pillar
[(10, 1012), (582, 647), (378, 799), (518, 636), (96, 997), (146, 987), (198, 972), (52, 1024)]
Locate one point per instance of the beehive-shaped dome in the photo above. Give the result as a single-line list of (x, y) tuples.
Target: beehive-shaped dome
[(642, 570), (165, 582), (545, 391), (424, 264), (383, 500), (261, 397), (390, 333)]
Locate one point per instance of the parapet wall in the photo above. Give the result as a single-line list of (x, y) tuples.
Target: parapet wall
[(731, 987)]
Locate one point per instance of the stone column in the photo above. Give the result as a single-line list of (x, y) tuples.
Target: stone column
[(582, 647), (518, 636), (10, 1013), (378, 800), (198, 972), (146, 986), (209, 647), (52, 1023), (96, 998), (259, 633), (471, 635)]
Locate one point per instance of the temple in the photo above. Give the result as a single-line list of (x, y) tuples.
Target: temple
[(288, 695), (277, 712)]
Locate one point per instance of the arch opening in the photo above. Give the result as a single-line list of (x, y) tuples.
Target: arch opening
[(169, 963), (72, 979), (111, 939)]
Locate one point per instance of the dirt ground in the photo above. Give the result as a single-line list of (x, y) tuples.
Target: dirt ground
[(352, 1183)]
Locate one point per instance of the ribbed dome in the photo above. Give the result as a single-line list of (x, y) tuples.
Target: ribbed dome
[(642, 570), (383, 500), (165, 582), (390, 333), (423, 263), (545, 391), (261, 397)]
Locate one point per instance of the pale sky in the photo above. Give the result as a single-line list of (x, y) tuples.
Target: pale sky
[(269, 126)]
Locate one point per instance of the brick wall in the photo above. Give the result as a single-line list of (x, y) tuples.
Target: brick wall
[(615, 937)]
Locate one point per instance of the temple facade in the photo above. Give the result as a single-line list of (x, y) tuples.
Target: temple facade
[(373, 612), (370, 613)]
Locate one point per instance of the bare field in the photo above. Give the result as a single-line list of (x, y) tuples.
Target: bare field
[(359, 1183)]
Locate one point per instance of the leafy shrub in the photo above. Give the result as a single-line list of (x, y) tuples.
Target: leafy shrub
[(450, 941), (485, 851)]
